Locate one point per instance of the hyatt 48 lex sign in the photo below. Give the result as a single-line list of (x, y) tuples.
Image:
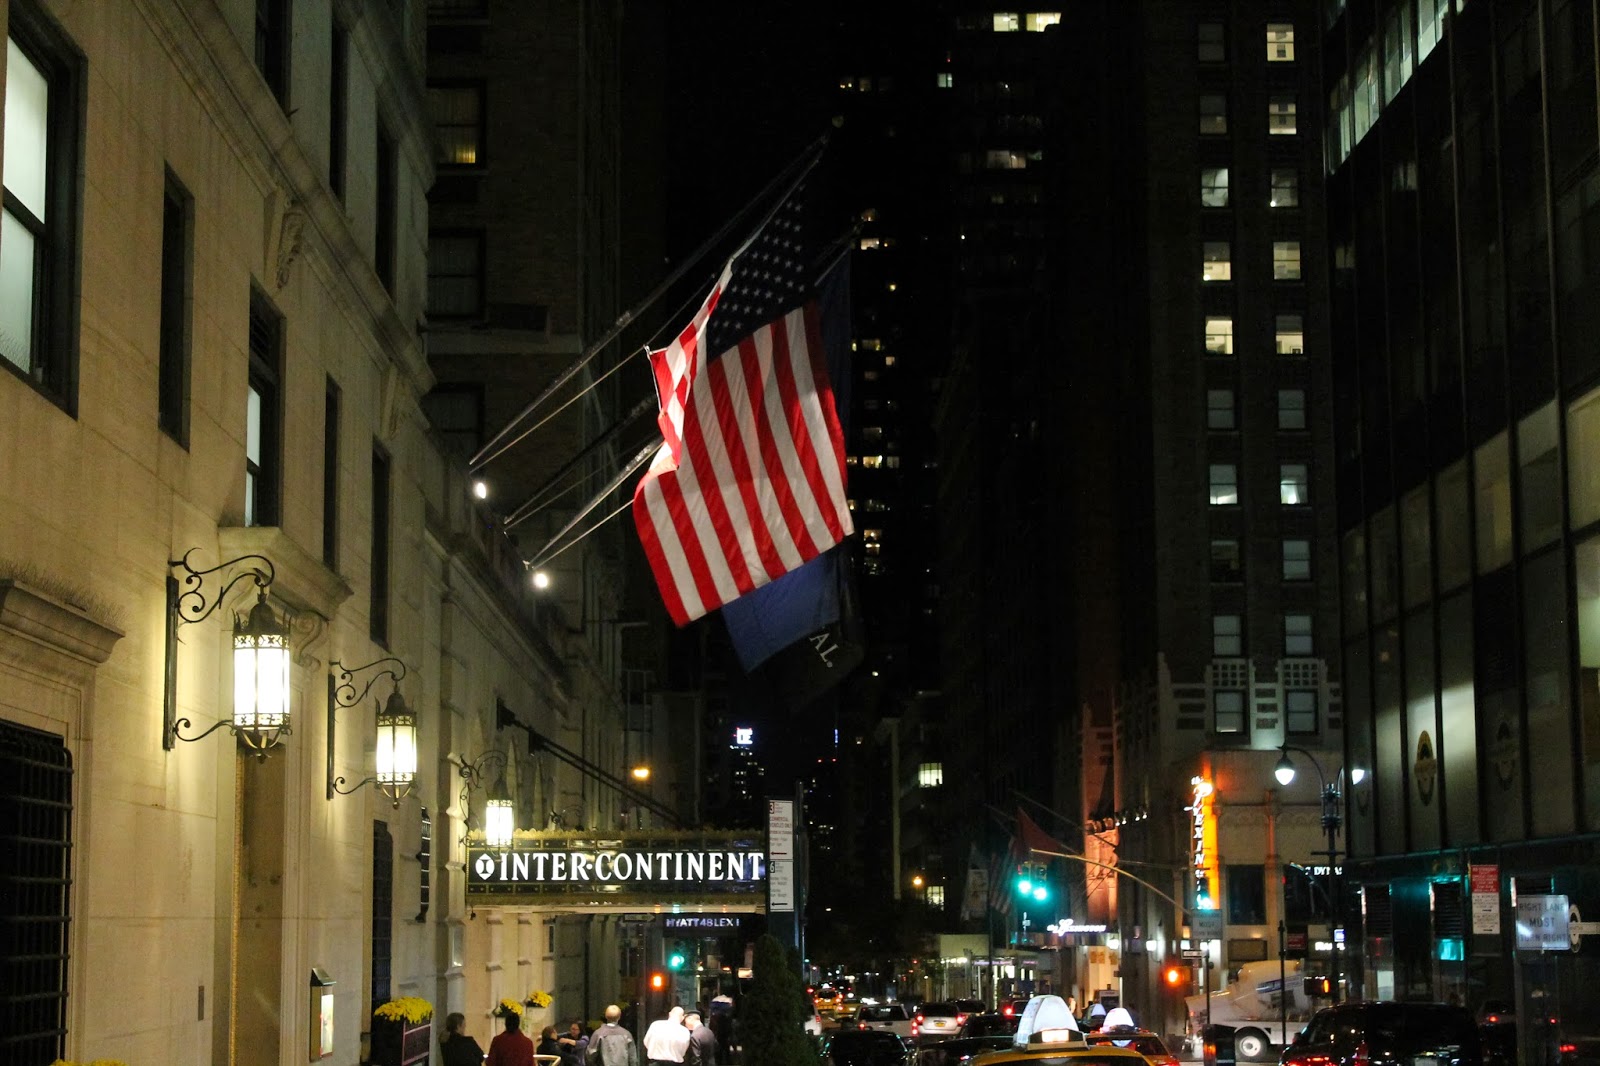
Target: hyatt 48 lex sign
[(656, 869)]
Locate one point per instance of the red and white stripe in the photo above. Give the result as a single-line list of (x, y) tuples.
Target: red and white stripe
[(750, 482)]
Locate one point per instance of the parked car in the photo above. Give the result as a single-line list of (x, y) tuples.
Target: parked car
[(863, 1047), (1348, 1033), (938, 1020), (888, 1017), (1143, 1041), (957, 1050), (990, 1024)]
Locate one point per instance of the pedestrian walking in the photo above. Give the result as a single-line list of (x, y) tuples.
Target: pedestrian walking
[(702, 1042), (666, 1039), (512, 1047), (611, 1044)]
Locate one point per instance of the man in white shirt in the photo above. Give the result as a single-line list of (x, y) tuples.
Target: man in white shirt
[(666, 1040)]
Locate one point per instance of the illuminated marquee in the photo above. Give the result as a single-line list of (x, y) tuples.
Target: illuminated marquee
[(1203, 843), (672, 869)]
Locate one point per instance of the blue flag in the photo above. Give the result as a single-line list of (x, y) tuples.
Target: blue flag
[(804, 602)]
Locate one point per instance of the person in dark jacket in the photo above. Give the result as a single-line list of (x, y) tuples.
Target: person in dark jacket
[(457, 1048), (548, 1044), (702, 1042)]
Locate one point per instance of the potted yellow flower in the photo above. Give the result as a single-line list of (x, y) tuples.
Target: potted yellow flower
[(508, 1007), (402, 1031), (538, 998)]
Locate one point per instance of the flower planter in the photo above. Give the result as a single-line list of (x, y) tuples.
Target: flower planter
[(401, 1043)]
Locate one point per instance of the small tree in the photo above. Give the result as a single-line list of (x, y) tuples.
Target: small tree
[(771, 1018)]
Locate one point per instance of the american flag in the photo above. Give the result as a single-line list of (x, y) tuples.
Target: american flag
[(749, 483)]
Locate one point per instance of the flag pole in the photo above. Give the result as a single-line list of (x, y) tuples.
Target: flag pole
[(527, 508), (635, 463), (493, 449)]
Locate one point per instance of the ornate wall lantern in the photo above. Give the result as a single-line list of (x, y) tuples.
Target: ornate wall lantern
[(396, 724), (499, 813), (260, 656)]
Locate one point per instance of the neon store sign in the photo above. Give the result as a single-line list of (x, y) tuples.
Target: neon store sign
[(1203, 843)]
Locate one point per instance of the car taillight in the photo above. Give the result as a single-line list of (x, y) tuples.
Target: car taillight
[(1569, 1049), (1492, 1018), (918, 1020), (861, 1025), (1363, 1057), (1167, 1060), (1007, 1010), (961, 1019)]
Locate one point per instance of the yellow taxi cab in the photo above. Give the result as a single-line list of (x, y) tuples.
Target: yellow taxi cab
[(1143, 1041), (1048, 1035)]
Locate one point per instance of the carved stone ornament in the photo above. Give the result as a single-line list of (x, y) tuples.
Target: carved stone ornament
[(291, 237)]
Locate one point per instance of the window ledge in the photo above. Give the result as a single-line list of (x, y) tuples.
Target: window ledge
[(301, 580), (41, 617)]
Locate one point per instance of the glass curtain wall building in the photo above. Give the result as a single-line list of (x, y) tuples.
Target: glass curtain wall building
[(1461, 140)]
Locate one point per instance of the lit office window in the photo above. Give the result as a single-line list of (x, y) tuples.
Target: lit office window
[(1216, 261), (1280, 42), (1285, 187), (1219, 335), (936, 895), (1286, 260), (1213, 114), (1294, 484), (1224, 484), (1213, 186), (1039, 21), (1281, 115), (1007, 22), (930, 775), (946, 80), (1289, 334)]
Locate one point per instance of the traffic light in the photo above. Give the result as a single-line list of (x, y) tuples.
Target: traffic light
[(677, 957), (1176, 976), (1031, 883), (658, 981), (1318, 986)]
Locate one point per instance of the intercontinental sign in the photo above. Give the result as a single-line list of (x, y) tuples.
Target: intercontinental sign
[(660, 868)]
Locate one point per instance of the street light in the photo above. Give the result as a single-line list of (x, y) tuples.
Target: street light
[(1332, 818)]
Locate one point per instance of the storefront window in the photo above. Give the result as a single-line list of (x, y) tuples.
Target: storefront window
[(1544, 618), (1385, 565), (1586, 558), (1583, 460), (1540, 494), (1391, 740), (1450, 509), (1354, 586), (1492, 477), (1457, 728), (1358, 735), (1416, 547), (1422, 733)]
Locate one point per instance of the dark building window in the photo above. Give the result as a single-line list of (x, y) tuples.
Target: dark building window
[(1226, 562), (338, 109), (455, 412), (382, 913), (1228, 712), (330, 475), (39, 226), (35, 839), (1245, 886), (272, 47), (264, 416), (1300, 711), (455, 274), (458, 122), (380, 545), (385, 206), (177, 280), (1213, 46)]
